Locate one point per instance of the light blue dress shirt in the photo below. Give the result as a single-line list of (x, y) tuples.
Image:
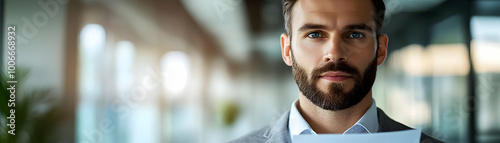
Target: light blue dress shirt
[(368, 123)]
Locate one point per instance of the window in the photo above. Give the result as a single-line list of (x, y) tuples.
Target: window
[(91, 43), (175, 72)]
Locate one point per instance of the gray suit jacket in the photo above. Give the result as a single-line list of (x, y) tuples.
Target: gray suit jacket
[(278, 133)]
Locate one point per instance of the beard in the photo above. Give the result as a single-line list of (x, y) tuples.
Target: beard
[(336, 98)]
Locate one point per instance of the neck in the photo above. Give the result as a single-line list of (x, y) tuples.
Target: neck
[(332, 122)]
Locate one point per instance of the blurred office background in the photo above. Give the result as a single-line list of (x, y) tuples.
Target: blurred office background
[(150, 71)]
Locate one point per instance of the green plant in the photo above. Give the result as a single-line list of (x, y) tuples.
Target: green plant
[(34, 112)]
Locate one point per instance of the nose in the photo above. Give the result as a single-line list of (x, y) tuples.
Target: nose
[(334, 50)]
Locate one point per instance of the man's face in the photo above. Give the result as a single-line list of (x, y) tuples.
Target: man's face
[(334, 50)]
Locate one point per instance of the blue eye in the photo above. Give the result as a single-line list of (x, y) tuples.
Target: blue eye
[(356, 35), (314, 35)]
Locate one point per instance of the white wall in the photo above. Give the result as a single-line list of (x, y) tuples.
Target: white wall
[(39, 34)]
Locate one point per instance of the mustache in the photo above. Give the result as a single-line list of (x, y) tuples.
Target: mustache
[(332, 66)]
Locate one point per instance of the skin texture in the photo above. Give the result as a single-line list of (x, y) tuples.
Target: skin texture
[(329, 32)]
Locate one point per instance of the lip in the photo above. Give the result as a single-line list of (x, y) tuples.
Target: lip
[(335, 76)]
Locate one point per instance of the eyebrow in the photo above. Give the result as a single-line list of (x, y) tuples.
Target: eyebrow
[(359, 27), (310, 26)]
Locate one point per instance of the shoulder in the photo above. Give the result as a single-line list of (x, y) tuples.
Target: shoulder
[(277, 132), (386, 124), (253, 137)]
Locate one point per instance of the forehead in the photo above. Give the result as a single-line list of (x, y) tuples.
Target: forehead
[(333, 12)]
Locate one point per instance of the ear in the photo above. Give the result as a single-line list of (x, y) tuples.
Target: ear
[(285, 49), (383, 40)]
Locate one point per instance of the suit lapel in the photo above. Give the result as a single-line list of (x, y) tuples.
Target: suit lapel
[(279, 131), (386, 124)]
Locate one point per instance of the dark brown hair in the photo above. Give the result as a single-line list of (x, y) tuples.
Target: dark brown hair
[(379, 14)]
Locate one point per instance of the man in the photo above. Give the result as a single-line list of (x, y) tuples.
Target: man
[(334, 48)]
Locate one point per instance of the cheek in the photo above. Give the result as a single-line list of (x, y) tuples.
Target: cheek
[(307, 52), (362, 60)]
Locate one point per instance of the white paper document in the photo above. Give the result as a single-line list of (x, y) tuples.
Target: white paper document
[(406, 136)]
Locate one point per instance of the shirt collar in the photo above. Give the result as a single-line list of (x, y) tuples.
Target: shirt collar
[(297, 124), (368, 123)]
